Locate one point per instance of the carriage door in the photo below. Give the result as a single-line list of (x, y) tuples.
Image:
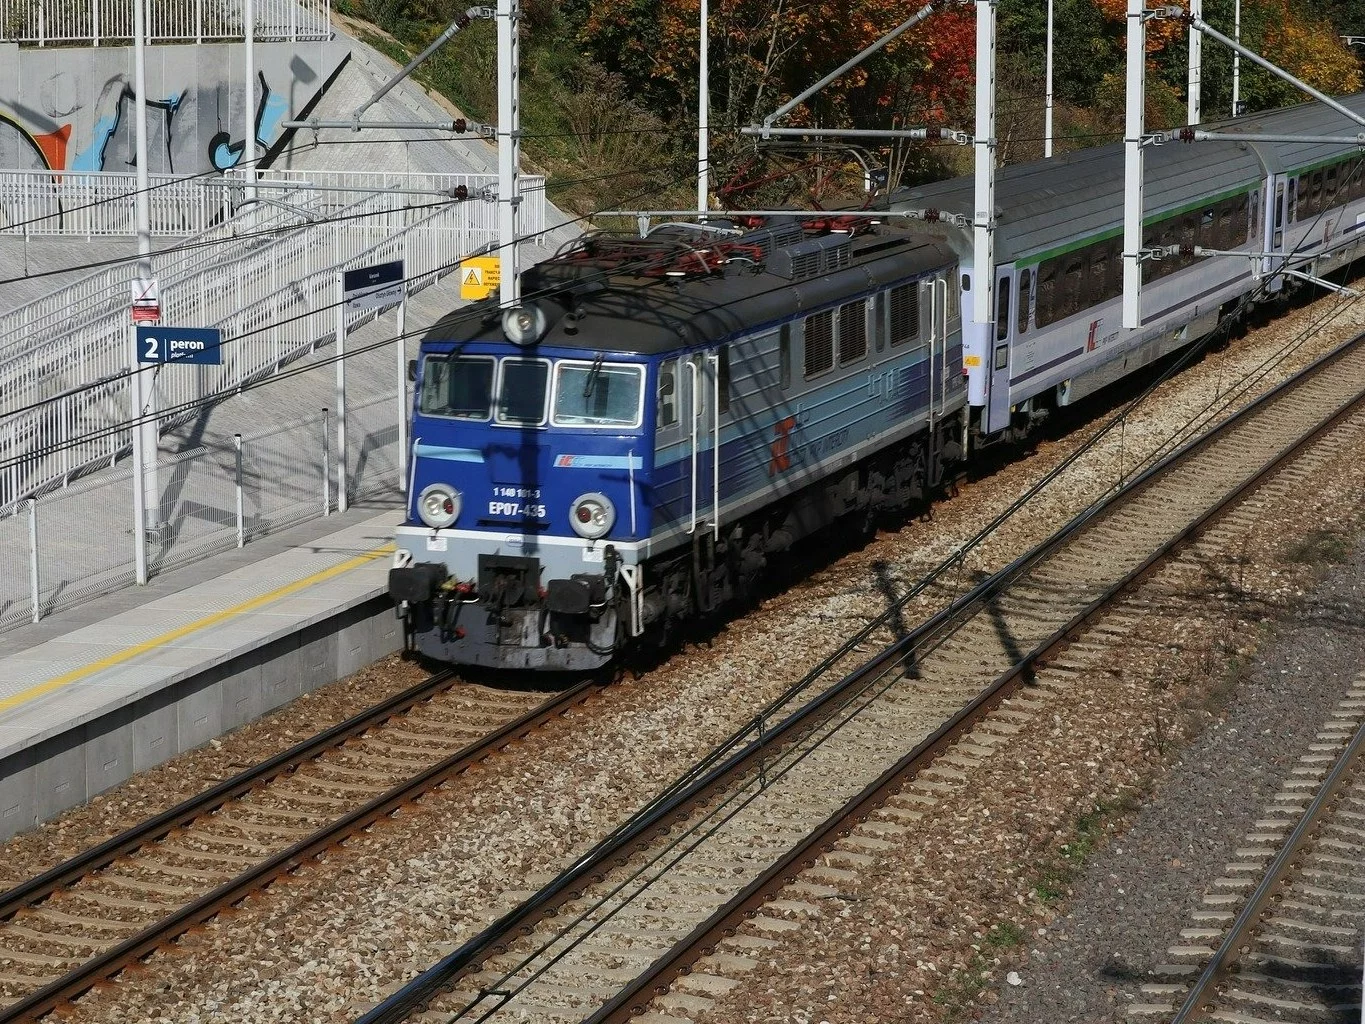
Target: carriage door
[(699, 375), (998, 399)]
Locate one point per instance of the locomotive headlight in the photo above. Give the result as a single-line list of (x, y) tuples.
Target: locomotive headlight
[(592, 515), (438, 505)]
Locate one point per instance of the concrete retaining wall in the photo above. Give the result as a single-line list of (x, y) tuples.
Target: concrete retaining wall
[(38, 783)]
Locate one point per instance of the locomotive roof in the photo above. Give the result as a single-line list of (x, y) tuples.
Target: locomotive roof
[(622, 312), (1046, 203)]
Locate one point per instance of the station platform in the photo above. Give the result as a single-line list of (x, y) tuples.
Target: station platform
[(116, 685)]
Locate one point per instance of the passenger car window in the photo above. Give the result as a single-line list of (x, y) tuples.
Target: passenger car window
[(1025, 287), (461, 388), (597, 395)]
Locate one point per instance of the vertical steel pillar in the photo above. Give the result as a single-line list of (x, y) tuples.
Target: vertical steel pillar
[(249, 91), (1047, 102), (704, 111), (326, 462), (341, 394), (509, 152), (977, 343), (1236, 58), (402, 347), (147, 492), (1133, 164), (1192, 97)]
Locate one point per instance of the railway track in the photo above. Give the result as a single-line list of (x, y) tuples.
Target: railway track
[(1293, 952), (89, 917), (668, 886)]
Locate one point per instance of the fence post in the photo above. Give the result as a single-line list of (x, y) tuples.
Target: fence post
[(241, 522), (343, 485), (326, 464), (33, 556), (95, 20)]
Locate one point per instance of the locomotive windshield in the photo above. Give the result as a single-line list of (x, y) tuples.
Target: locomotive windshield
[(521, 395), (597, 395), (462, 387)]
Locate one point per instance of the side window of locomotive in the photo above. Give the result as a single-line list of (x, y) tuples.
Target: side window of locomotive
[(954, 305), (879, 321), (521, 393), (460, 388), (1025, 288), (597, 395), (852, 332), (667, 414), (819, 343), (784, 357), (904, 324), (1002, 316), (723, 378)]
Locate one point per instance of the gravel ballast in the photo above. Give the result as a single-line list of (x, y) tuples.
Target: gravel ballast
[(395, 900)]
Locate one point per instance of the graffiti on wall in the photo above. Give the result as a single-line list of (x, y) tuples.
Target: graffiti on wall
[(187, 131)]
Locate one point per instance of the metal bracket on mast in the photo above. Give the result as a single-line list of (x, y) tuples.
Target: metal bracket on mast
[(922, 134)]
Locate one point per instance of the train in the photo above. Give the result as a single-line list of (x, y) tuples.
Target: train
[(667, 413)]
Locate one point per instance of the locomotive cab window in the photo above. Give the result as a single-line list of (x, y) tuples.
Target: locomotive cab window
[(461, 388), (521, 392), (597, 394), (784, 357), (723, 378), (668, 394)]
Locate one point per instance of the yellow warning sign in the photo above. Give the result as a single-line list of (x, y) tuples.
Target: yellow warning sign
[(479, 277)]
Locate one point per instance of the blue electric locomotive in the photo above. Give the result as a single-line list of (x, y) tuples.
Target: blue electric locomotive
[(671, 412)]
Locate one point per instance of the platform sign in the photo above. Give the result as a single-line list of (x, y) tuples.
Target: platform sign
[(146, 302), (202, 345), (373, 287), (480, 276)]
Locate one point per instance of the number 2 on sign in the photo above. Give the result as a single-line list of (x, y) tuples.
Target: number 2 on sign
[(151, 355)]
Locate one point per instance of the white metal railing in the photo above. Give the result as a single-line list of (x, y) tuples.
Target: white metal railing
[(99, 203), (72, 403), (92, 22), (28, 326), (102, 203)]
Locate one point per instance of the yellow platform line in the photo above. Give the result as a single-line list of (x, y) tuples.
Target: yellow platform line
[(252, 604)]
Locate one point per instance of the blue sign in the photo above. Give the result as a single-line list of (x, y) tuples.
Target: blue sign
[(180, 345)]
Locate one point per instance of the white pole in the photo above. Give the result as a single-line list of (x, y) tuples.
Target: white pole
[(1236, 57), (139, 470), (1133, 165), (326, 464), (249, 134), (704, 112), (241, 519), (341, 394), (1192, 97), (33, 557), (1047, 105), (983, 222), (402, 348), (148, 507), (509, 152)]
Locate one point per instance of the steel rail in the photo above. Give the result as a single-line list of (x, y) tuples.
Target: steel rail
[(106, 964), (672, 805), (632, 1000), (1195, 1006), (41, 886)]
